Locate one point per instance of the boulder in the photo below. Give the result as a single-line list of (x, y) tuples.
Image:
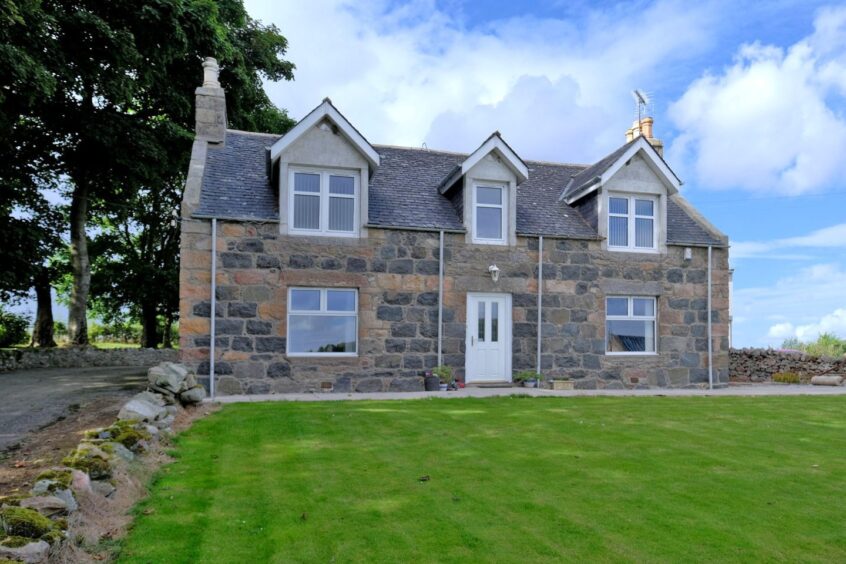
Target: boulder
[(32, 552), (193, 395), (103, 488), (47, 505), (165, 423), (831, 380), (141, 410), (24, 522), (169, 376), (80, 481), (121, 451), (150, 397), (69, 499), (90, 459)]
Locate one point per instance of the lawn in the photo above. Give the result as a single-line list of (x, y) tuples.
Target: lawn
[(504, 480)]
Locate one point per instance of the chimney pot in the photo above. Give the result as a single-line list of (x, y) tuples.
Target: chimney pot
[(210, 72)]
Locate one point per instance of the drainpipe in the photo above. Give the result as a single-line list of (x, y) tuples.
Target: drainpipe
[(440, 298), (540, 298), (213, 313), (710, 344)]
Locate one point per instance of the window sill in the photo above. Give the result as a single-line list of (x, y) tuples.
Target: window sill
[(489, 242), (631, 250), (631, 354), (322, 355), (327, 234)]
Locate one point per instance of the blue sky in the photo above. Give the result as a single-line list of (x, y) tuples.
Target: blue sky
[(749, 98)]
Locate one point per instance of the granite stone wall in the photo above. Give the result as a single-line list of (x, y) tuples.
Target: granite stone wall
[(396, 274), (759, 365), (80, 357)]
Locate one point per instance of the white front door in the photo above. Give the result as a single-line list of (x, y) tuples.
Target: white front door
[(488, 357)]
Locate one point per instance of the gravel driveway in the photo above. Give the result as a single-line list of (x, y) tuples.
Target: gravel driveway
[(31, 399)]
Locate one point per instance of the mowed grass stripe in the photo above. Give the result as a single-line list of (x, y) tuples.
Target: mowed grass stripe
[(511, 480)]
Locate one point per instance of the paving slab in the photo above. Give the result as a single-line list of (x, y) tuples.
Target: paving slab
[(730, 391), (31, 399)]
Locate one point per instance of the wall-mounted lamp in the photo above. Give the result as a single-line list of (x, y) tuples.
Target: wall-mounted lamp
[(688, 253), (494, 270)]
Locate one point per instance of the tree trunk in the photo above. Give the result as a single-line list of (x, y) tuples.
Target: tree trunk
[(167, 338), (42, 333), (149, 327), (78, 309)]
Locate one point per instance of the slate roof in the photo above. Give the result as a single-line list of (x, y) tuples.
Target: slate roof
[(593, 172), (404, 192), (235, 182)]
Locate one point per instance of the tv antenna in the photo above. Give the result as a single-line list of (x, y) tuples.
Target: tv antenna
[(642, 102)]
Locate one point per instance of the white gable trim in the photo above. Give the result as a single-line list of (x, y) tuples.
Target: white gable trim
[(653, 160), (495, 144), (326, 110)]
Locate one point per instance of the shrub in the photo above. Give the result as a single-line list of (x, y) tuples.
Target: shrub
[(826, 344), (787, 378), (444, 373), (13, 329), (526, 375)]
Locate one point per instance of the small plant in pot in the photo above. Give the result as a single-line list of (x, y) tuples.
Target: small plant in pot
[(528, 378), (431, 383), (445, 377)]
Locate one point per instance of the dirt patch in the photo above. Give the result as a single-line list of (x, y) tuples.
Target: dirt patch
[(44, 448), (95, 530)]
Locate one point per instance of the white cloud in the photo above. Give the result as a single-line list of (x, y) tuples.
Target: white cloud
[(833, 237), (834, 323), (802, 303), (770, 122), (414, 73)]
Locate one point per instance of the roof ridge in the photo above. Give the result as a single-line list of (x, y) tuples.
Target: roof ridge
[(556, 163), (241, 131), (421, 149)]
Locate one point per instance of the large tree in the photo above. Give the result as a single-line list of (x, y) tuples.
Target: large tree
[(120, 116)]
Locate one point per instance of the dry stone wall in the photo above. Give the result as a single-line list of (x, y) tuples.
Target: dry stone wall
[(79, 357), (396, 274), (759, 365)]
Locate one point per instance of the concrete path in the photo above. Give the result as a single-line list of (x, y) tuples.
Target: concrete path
[(31, 399), (749, 390)]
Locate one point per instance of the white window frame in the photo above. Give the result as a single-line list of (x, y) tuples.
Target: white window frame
[(631, 222), (631, 317), (322, 313), (503, 207), (324, 201)]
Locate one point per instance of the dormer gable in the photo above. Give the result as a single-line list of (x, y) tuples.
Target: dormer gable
[(496, 147), (594, 177), (326, 114)]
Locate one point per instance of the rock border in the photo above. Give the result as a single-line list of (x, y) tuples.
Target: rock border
[(34, 526)]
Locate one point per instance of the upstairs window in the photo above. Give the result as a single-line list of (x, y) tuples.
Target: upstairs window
[(490, 217), (632, 223), (323, 203), (630, 325)]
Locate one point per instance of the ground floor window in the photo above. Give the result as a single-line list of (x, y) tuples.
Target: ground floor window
[(630, 325), (322, 322)]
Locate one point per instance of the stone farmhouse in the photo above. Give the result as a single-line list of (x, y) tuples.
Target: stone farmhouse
[(317, 261)]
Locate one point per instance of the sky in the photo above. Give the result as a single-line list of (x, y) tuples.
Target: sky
[(748, 97)]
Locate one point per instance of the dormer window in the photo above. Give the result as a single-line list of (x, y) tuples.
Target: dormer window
[(632, 224), (490, 214), (323, 202)]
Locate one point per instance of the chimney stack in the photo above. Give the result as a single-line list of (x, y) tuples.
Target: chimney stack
[(211, 105), (645, 128)]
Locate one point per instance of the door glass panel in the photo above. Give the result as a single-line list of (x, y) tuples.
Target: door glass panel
[(494, 322), (481, 322)]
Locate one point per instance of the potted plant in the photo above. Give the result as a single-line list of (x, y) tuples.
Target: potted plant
[(445, 377), (431, 383), (528, 378)]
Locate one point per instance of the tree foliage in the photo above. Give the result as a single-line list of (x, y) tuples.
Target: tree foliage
[(826, 344), (100, 96)]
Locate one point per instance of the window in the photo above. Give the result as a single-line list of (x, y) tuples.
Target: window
[(631, 222), (322, 322), (323, 203), (489, 214), (630, 325)]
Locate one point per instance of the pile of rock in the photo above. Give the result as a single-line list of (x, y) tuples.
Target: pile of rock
[(759, 365), (33, 525)]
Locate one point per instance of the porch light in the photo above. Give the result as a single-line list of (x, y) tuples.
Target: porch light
[(494, 270)]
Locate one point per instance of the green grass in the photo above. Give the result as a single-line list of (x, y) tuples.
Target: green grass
[(511, 480)]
